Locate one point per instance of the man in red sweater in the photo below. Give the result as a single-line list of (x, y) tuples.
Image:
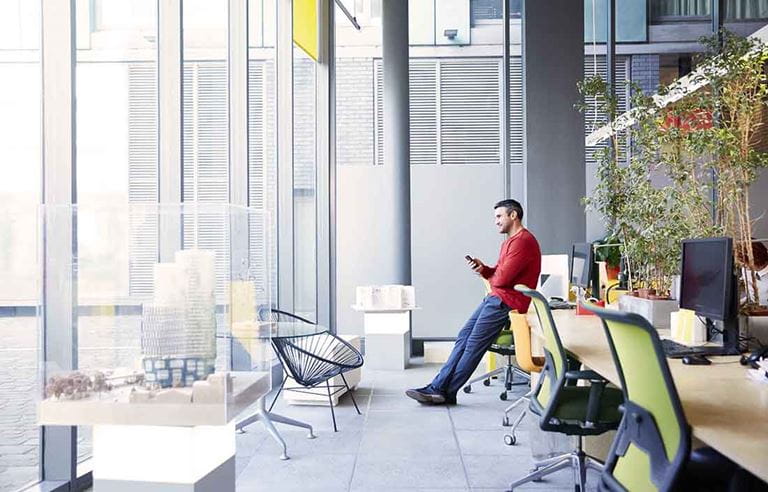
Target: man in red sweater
[(519, 263)]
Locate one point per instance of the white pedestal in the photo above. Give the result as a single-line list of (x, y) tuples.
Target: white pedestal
[(319, 395), (387, 338), (148, 458)]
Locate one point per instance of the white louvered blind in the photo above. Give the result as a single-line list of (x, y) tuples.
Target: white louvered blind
[(470, 111), (142, 175), (455, 111), (515, 111), (423, 111), (594, 120), (262, 171), (206, 153), (378, 80)]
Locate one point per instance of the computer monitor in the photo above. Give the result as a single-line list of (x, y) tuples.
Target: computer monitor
[(708, 286), (581, 265)]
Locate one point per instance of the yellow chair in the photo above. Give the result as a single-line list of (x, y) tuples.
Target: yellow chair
[(503, 345), (521, 332)]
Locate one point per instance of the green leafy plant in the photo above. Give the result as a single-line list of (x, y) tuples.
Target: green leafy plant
[(690, 165), (608, 250), (718, 135)]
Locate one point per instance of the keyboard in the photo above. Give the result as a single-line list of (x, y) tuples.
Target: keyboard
[(555, 304), (675, 350)]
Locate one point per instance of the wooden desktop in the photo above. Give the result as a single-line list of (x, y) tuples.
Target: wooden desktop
[(725, 409)]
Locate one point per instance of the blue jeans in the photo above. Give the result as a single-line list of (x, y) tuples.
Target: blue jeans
[(474, 339)]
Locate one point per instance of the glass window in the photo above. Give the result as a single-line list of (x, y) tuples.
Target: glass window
[(116, 147), (304, 184), (262, 158), (206, 124), (679, 8), (20, 195)]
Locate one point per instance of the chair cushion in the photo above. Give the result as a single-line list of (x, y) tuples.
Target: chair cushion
[(573, 404), (505, 339)]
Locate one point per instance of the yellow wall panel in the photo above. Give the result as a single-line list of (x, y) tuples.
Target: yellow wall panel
[(305, 27)]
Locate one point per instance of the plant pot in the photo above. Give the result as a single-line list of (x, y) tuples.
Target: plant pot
[(644, 293), (655, 311)]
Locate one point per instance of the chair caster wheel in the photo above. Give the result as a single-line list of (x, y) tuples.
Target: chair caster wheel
[(503, 396), (510, 440), (487, 382), (505, 421), (467, 389)]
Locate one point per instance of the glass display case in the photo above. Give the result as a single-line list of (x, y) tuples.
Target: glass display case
[(150, 313)]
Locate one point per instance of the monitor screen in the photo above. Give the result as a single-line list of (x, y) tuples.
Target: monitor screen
[(706, 281), (581, 264)]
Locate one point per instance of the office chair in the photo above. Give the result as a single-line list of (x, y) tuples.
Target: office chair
[(521, 332), (564, 407), (503, 345), (652, 448)]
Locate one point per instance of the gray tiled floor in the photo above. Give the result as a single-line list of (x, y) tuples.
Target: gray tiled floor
[(396, 445)]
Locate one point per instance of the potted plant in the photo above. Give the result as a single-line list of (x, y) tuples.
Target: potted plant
[(608, 250)]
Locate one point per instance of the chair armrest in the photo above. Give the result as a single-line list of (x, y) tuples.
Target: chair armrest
[(590, 375)]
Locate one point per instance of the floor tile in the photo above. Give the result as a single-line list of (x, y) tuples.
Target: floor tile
[(411, 442), (310, 472), (437, 472)]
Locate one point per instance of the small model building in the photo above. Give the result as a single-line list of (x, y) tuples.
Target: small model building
[(178, 333), (385, 297)]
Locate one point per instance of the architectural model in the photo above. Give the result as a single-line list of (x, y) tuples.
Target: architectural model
[(178, 334)]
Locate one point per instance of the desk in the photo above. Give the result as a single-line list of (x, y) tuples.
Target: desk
[(725, 409)]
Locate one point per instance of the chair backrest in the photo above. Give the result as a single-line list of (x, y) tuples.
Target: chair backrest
[(556, 362), (521, 333), (311, 359), (487, 285), (653, 440), (267, 313)]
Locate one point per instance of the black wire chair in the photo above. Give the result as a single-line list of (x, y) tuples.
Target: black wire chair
[(313, 359)]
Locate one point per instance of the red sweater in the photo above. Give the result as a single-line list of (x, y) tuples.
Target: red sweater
[(519, 263)]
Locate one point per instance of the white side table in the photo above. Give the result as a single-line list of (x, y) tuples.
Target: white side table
[(387, 337)]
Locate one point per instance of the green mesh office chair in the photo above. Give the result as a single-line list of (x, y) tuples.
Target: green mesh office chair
[(652, 448), (564, 407), (503, 345)]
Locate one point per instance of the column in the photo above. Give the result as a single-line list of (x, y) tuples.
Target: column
[(396, 174), (553, 62)]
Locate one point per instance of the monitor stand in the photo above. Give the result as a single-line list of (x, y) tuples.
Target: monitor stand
[(730, 344)]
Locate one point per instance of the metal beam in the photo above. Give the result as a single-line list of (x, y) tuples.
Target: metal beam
[(325, 142), (59, 336), (505, 107), (285, 218), (170, 120)]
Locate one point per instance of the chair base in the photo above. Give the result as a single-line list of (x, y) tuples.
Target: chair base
[(267, 418), (509, 370), (577, 460), (510, 439), (337, 389)]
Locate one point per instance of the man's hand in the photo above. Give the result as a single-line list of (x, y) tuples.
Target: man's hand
[(476, 265)]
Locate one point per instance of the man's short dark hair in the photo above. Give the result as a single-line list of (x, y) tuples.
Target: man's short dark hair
[(511, 205)]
